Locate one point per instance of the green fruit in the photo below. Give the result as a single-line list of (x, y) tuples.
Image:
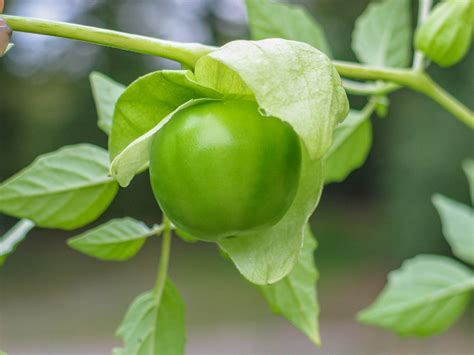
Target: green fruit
[(445, 37), (221, 169)]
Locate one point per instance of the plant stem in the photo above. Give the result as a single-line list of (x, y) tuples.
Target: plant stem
[(417, 81), (424, 7), (186, 53), (164, 260), (189, 53), (364, 89)]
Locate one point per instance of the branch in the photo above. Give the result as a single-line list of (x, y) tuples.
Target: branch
[(185, 53), (189, 53), (416, 80)]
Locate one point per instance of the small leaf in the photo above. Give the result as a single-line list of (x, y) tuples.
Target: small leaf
[(424, 297), (290, 80), (269, 19), (136, 156), (65, 189), (294, 297), (382, 34), (13, 237), (458, 226), (9, 46), (106, 93), (350, 146), (118, 240), (268, 256), (150, 99), (468, 167), (144, 332)]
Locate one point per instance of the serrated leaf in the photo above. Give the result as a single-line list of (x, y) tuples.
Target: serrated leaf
[(468, 167), (136, 156), (150, 99), (13, 237), (424, 297), (350, 146), (268, 256), (65, 189), (382, 34), (118, 239), (458, 226), (268, 19), (290, 80), (294, 297), (145, 332), (106, 93)]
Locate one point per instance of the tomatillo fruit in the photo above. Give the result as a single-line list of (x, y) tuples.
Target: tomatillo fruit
[(221, 169)]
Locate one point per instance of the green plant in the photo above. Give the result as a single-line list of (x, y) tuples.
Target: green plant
[(430, 292), (221, 161), (287, 72)]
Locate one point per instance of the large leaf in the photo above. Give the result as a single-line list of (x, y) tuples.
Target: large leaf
[(458, 226), (268, 256), (106, 93), (426, 296), (152, 328), (118, 239), (135, 157), (382, 34), (294, 297), (350, 147), (468, 167), (13, 237), (290, 80), (148, 100), (65, 189), (268, 19)]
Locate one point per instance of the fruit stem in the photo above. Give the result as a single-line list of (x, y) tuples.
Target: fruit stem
[(424, 7)]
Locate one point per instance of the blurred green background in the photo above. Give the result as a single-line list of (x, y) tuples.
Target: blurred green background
[(55, 301)]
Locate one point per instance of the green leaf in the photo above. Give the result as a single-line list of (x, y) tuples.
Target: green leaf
[(269, 19), (350, 146), (65, 189), (9, 46), (106, 93), (118, 239), (382, 34), (290, 80), (13, 237), (294, 297), (150, 99), (136, 156), (268, 256), (468, 167), (145, 332), (424, 297), (458, 226)]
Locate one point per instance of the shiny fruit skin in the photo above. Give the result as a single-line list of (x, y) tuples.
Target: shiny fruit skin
[(220, 169)]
